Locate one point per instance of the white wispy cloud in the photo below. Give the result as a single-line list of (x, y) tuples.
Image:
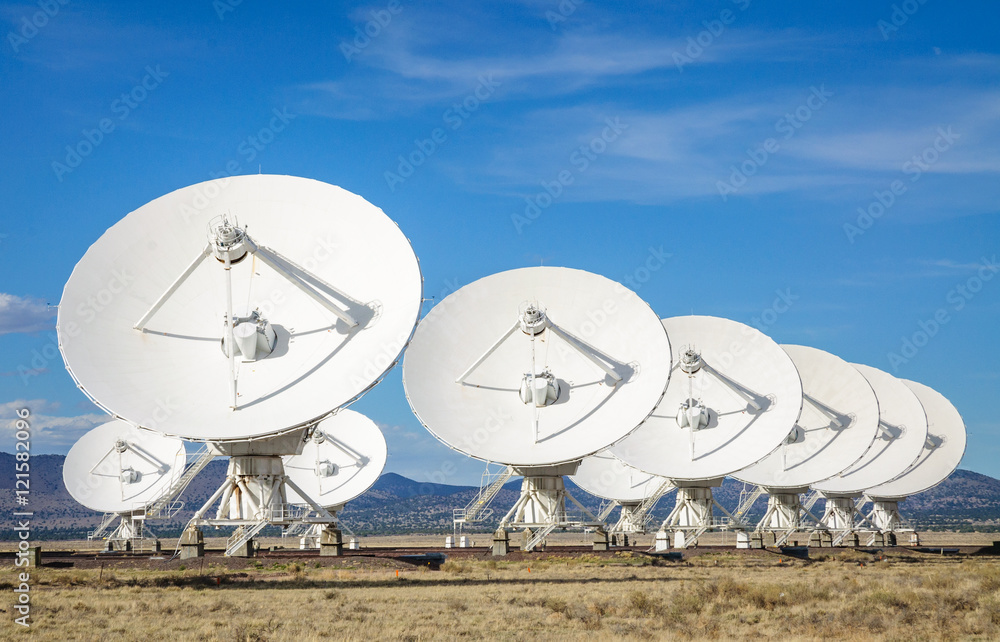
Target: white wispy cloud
[(410, 70), (49, 432), (24, 314), (916, 270), (687, 129), (845, 149)]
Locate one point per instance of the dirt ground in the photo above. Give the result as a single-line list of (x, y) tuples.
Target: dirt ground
[(485, 539), (565, 592)]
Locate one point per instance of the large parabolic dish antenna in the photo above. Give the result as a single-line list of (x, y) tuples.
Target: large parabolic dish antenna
[(733, 397), (901, 437), (117, 468), (838, 423), (239, 308), (342, 459), (942, 451), (604, 475), (536, 366)]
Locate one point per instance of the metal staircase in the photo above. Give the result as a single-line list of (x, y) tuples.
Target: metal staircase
[(478, 509), (639, 518), (747, 500), (165, 506), (538, 537), (294, 530), (647, 504), (244, 534), (607, 508), (841, 536), (105, 524), (781, 538), (692, 539), (811, 500)]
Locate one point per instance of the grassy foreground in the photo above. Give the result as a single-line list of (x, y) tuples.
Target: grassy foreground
[(842, 595)]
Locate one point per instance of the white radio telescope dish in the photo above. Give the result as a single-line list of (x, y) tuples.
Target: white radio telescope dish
[(536, 366), (838, 423), (733, 397), (942, 452), (239, 308), (901, 437), (116, 468), (342, 459)]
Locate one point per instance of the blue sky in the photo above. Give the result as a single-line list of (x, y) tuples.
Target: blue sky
[(844, 158)]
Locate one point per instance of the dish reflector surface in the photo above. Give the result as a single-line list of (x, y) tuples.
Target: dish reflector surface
[(838, 423), (604, 475), (173, 376), (902, 432), (117, 468), (342, 459), (486, 405), (738, 367), (942, 452)]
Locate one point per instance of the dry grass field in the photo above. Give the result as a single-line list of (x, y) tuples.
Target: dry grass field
[(839, 594)]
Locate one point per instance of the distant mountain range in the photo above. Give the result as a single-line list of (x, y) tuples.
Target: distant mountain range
[(395, 504)]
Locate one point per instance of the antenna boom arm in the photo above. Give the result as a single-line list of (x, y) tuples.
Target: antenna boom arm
[(141, 452), (489, 351), (275, 261), (585, 350), (141, 323), (727, 383), (823, 409)]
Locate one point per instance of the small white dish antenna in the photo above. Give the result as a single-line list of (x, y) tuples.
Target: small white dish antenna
[(117, 468), (342, 458), (942, 451), (240, 308), (838, 423), (901, 436)]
